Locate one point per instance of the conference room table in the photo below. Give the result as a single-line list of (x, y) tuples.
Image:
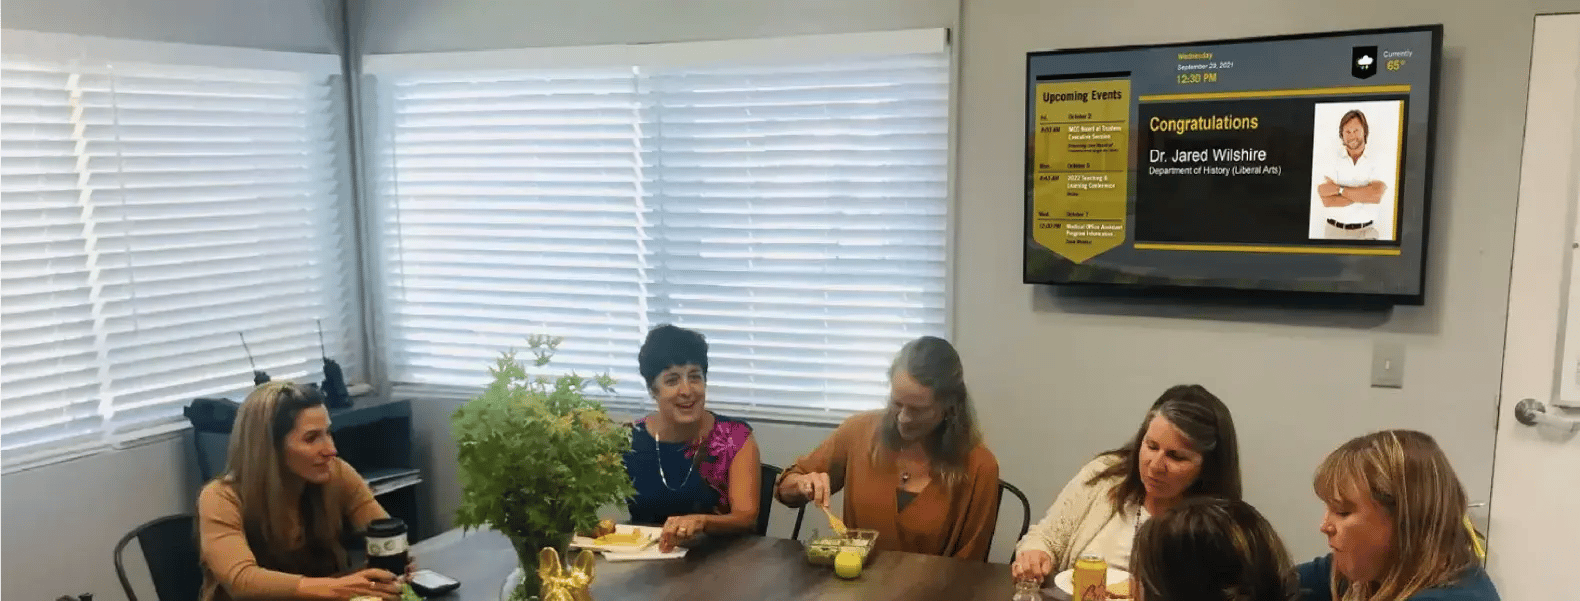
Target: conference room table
[(748, 568)]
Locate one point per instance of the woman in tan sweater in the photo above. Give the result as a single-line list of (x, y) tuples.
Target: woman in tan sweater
[(270, 526), (918, 472)]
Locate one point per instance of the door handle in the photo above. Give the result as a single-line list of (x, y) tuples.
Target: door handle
[(1532, 412)]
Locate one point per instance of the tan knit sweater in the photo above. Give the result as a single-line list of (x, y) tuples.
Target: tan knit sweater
[(230, 568)]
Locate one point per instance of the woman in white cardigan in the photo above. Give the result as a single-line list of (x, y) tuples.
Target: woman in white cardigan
[(1185, 447)]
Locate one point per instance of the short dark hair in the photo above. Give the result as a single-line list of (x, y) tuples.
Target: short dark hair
[(670, 345), (1211, 548), (1366, 129), (1206, 422)]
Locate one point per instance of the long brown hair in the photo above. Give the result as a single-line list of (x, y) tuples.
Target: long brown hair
[(1206, 423), (935, 364), (1407, 474), (255, 469), (1207, 548)]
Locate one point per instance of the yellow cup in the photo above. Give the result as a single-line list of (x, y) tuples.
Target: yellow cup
[(847, 564)]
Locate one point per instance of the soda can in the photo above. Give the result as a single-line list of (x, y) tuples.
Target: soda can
[(1090, 580)]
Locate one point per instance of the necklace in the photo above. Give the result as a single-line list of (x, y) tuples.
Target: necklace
[(905, 474), (659, 457)]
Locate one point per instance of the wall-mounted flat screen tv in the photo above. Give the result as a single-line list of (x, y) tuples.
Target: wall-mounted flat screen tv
[(1289, 164)]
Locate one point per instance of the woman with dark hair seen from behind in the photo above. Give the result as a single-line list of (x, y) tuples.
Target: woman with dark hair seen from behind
[(695, 472), (1184, 447), (271, 524), (918, 472), (1396, 522), (1207, 548)]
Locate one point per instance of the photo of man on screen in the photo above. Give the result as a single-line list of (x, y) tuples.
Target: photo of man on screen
[(1354, 188)]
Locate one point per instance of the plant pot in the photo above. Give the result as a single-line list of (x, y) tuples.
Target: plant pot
[(523, 584)]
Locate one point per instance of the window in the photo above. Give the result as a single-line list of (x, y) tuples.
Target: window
[(152, 211), (791, 204)]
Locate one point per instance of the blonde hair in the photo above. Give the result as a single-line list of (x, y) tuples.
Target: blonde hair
[(1407, 474), (255, 469)]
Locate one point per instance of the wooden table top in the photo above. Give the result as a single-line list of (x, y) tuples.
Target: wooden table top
[(744, 568)]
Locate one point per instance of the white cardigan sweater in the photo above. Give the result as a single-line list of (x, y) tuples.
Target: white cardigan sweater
[(1076, 516)]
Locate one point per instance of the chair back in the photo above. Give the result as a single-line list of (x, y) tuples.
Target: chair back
[(1025, 513), (170, 548), (771, 477), (765, 497)]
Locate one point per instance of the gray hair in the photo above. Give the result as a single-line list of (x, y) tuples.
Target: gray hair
[(933, 363)]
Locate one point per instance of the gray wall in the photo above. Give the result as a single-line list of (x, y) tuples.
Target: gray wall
[(1296, 379), (391, 26), (62, 520), (289, 25)]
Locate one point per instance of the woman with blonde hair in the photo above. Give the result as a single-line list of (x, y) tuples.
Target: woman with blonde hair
[(1396, 523), (918, 472), (270, 526)]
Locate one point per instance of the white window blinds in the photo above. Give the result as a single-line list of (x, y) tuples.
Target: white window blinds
[(794, 211), (511, 204), (801, 221), (150, 213)]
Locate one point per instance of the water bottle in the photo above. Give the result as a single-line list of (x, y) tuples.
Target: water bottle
[(1027, 590)]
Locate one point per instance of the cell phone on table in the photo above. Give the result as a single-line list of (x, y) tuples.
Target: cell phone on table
[(429, 583)]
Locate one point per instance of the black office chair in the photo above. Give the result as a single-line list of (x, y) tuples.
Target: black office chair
[(170, 548), (1025, 512), (765, 496), (766, 500)]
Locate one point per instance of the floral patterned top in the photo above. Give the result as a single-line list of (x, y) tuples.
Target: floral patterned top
[(673, 478)]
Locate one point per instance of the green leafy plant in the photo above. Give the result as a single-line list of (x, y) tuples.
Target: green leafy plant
[(538, 458)]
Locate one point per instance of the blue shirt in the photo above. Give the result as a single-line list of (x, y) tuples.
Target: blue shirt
[(686, 492), (1474, 585)]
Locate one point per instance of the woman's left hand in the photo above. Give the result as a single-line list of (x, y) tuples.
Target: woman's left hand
[(680, 529)]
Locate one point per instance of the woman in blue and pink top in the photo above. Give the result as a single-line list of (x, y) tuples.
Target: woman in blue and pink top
[(695, 472)]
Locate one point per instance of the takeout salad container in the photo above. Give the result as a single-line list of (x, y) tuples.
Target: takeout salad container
[(822, 549)]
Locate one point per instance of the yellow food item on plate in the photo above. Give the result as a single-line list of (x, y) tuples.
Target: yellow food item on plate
[(628, 538), (1119, 590)]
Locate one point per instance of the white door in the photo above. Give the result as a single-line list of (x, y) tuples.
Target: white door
[(1534, 528)]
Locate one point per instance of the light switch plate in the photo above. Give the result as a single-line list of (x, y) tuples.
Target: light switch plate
[(1388, 365)]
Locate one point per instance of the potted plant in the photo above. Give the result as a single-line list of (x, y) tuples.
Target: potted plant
[(538, 459)]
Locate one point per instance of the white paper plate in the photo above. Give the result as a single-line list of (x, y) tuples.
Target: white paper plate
[(1062, 581)]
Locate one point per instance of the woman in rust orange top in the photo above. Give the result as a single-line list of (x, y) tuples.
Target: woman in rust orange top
[(916, 472)]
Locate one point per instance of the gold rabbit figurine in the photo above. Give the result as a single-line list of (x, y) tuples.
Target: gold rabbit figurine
[(560, 584)]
